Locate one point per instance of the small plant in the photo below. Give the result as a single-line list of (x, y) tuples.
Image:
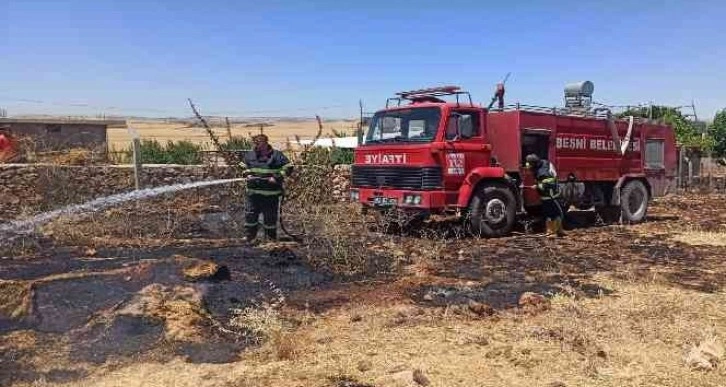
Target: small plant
[(263, 323)]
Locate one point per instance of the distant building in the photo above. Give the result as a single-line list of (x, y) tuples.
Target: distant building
[(59, 134), (338, 142)]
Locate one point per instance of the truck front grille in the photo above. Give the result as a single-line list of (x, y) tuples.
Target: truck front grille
[(418, 178)]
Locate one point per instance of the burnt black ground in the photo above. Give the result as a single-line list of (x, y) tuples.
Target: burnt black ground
[(499, 270), (64, 307)]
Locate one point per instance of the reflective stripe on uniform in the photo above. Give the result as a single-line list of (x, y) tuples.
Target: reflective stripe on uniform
[(275, 192), (269, 227), (266, 171), (252, 224)]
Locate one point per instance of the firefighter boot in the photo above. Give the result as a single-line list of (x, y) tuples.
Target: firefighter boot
[(271, 234), (558, 228), (250, 234), (550, 226)]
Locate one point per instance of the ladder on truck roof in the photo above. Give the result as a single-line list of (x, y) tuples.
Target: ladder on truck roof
[(568, 112), (429, 95)]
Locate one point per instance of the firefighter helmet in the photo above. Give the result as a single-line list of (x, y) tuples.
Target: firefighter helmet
[(532, 160)]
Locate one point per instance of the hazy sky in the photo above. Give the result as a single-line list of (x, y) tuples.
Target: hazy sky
[(300, 58)]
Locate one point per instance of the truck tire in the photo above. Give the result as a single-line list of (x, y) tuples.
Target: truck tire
[(492, 211), (634, 201)]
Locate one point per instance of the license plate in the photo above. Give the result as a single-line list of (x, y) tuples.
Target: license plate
[(381, 201)]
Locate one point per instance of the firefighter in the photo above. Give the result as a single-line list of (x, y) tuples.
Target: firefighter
[(547, 187), (265, 169)]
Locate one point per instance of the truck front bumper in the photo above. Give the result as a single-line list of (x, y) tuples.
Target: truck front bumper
[(398, 198)]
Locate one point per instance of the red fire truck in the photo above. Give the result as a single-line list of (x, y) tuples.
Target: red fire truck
[(424, 155)]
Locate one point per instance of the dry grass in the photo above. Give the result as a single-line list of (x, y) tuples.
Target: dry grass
[(701, 238), (15, 299), (180, 308), (279, 133), (639, 338), (642, 334), (265, 324)]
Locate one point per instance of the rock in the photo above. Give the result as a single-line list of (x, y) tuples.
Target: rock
[(706, 356), (351, 383), (534, 302), (364, 365), (398, 379), (428, 297), (420, 378), (480, 308)]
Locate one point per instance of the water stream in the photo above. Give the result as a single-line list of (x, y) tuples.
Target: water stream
[(28, 225)]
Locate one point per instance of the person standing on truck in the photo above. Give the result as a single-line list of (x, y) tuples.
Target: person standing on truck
[(265, 169), (548, 189)]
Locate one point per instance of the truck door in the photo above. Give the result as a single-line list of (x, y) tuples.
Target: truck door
[(535, 141), (464, 139)]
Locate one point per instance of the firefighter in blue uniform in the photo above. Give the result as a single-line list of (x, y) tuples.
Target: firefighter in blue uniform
[(548, 189), (265, 169)]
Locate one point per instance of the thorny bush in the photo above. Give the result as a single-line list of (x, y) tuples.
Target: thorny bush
[(335, 234)]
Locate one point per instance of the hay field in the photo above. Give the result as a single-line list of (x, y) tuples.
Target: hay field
[(282, 129)]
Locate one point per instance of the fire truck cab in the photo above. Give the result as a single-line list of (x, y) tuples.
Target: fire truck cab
[(423, 155)]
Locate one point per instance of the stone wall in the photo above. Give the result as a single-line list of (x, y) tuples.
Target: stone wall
[(29, 189)]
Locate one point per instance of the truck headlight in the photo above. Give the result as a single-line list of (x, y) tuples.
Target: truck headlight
[(412, 199), (354, 195)]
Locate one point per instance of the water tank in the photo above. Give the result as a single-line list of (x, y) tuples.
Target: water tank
[(579, 94), (584, 88)]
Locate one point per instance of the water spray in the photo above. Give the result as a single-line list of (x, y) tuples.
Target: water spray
[(28, 225)]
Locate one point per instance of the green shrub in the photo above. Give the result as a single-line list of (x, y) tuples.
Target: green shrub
[(237, 143), (341, 156), (183, 152), (328, 156), (152, 152), (179, 152)]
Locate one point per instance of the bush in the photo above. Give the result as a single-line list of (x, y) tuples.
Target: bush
[(237, 143), (341, 156), (183, 152), (328, 156), (179, 152)]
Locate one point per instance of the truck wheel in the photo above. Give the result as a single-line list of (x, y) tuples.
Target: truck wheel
[(634, 201), (492, 211)]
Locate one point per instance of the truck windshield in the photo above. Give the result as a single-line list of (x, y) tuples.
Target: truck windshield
[(408, 125)]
